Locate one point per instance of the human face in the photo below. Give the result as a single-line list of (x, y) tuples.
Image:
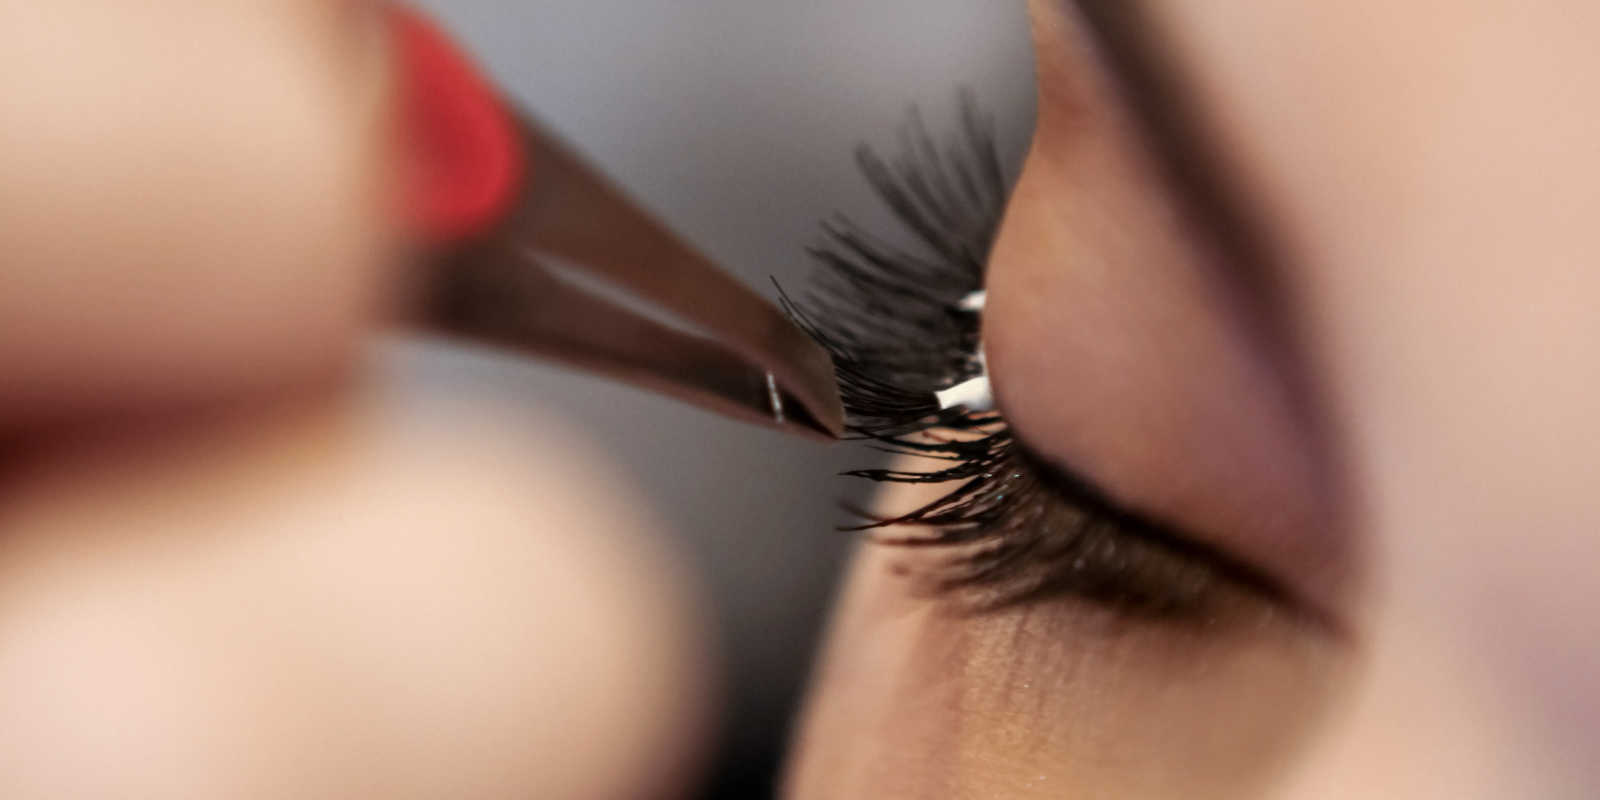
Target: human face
[(1312, 353)]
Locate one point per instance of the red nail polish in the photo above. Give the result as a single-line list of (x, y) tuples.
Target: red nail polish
[(466, 159)]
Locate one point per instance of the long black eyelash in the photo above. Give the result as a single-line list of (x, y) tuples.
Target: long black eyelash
[(890, 317), (1014, 528)]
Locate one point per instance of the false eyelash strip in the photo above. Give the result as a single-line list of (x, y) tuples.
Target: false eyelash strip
[(872, 299), (904, 329)]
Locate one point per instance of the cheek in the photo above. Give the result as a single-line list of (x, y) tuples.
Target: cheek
[(914, 699), (190, 202)]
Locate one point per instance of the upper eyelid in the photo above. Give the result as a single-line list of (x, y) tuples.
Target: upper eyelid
[(891, 397), (1185, 151), (1178, 384)]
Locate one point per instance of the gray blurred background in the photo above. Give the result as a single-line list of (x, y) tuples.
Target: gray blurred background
[(735, 121)]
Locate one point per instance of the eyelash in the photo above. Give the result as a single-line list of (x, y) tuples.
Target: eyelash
[(1014, 529)]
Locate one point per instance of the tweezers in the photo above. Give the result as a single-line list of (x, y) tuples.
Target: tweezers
[(734, 353)]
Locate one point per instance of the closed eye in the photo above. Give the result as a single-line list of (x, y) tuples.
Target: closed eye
[(1011, 528)]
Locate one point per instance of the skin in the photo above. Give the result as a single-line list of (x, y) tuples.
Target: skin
[(1418, 462), (219, 576), (1096, 273), (227, 567)]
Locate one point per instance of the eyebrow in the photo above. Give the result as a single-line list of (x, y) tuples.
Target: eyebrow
[(1185, 150)]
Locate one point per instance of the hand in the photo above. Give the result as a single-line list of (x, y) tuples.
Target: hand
[(222, 571)]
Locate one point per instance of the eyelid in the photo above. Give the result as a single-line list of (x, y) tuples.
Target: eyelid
[(1021, 531), (1120, 349), (1158, 103), (1253, 579), (896, 325), (1153, 95)]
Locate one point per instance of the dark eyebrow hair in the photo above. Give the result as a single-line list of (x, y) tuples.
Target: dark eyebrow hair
[(1185, 150)]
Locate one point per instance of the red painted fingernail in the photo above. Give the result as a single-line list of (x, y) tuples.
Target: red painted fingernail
[(466, 160)]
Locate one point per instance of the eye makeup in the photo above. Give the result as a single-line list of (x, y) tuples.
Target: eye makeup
[(905, 329)]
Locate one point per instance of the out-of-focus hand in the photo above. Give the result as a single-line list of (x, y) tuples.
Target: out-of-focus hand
[(221, 573)]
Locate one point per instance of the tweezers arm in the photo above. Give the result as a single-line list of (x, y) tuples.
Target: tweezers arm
[(571, 212), (500, 295)]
